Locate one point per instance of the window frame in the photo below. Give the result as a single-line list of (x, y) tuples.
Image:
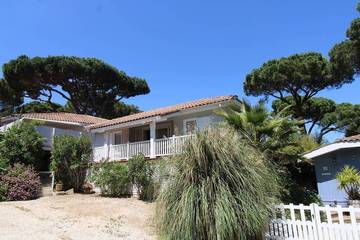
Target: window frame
[(114, 137), (189, 120)]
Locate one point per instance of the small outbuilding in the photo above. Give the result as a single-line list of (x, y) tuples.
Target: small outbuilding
[(331, 159)]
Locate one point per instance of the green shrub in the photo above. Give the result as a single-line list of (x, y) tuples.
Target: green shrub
[(141, 174), (70, 157), (221, 188), (3, 191), (112, 178), (21, 143)]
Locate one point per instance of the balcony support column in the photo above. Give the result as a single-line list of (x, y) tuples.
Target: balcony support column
[(152, 139), (53, 133), (107, 145)]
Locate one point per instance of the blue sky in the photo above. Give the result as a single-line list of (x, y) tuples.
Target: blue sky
[(184, 49)]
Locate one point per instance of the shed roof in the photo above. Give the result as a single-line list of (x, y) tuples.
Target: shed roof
[(343, 143), (354, 138)]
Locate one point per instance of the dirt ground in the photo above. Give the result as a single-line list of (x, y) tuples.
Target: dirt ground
[(75, 217)]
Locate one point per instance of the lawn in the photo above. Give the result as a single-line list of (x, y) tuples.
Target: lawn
[(76, 217)]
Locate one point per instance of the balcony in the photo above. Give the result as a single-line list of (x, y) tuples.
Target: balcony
[(151, 149)]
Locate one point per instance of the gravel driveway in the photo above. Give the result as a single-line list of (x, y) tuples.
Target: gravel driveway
[(74, 217)]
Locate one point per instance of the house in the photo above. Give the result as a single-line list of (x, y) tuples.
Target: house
[(53, 124), (331, 159), (155, 133)]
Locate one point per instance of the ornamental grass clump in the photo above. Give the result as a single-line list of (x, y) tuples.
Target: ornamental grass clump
[(221, 188)]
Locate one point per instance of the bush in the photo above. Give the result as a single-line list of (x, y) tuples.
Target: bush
[(70, 159), (141, 174), (349, 181), (20, 183), (21, 144), (221, 188), (3, 190), (112, 178)]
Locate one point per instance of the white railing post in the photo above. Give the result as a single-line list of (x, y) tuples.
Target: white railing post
[(173, 147), (152, 148), (127, 150)]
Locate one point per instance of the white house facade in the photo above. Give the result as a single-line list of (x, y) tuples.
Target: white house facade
[(158, 132), (153, 133)]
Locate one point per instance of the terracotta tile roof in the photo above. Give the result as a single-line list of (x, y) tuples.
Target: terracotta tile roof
[(354, 138), (65, 117), (164, 110)]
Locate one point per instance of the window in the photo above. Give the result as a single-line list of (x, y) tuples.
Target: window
[(146, 135), (162, 133), (190, 126), (118, 138)]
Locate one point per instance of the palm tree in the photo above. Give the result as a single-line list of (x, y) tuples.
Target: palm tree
[(270, 133), (280, 138)]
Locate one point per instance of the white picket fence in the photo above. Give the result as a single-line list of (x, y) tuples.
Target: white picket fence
[(314, 222)]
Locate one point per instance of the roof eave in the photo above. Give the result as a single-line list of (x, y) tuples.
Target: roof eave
[(54, 121), (126, 124), (331, 148), (164, 117)]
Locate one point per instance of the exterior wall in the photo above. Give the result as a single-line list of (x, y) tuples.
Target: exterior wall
[(327, 166), (136, 134), (47, 133), (48, 130), (160, 143), (174, 125), (67, 132), (203, 119), (98, 139), (124, 136)]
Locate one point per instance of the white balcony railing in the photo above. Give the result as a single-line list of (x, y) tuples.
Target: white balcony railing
[(99, 153), (152, 149), (169, 146)]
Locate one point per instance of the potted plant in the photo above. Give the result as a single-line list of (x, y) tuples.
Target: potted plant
[(349, 181), (59, 186), (88, 188)]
